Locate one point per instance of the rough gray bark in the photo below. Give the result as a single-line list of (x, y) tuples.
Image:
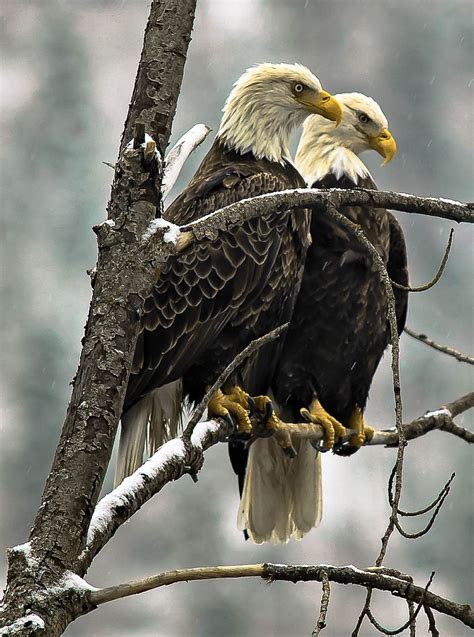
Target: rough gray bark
[(125, 273)]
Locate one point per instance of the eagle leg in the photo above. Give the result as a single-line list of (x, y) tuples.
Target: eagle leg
[(232, 403), (364, 433), (333, 430), (271, 425)]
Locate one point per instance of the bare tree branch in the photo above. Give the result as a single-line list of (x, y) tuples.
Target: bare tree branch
[(431, 621), (411, 619), (176, 458), (323, 609), (237, 213), (273, 572), (450, 351), (180, 152), (441, 419), (438, 275)]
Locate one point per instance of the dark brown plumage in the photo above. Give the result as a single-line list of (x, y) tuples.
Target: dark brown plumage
[(339, 328), (215, 298), (338, 331)]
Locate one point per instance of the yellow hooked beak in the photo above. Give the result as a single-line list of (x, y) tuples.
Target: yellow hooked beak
[(384, 144), (326, 105)]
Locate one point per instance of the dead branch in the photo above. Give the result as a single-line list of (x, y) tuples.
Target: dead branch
[(450, 351), (180, 152), (323, 608), (410, 623), (431, 621), (441, 419), (400, 587), (438, 275), (207, 227)]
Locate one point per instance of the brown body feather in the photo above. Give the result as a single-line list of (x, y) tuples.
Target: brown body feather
[(212, 300), (337, 336), (339, 328)]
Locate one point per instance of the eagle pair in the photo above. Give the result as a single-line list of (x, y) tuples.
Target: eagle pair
[(215, 298)]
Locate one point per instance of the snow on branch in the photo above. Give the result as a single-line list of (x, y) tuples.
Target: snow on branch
[(179, 457)]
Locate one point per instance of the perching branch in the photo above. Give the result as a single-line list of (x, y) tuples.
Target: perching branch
[(450, 351), (175, 459), (399, 587), (441, 419)]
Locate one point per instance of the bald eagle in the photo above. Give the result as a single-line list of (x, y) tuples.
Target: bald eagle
[(339, 327), (213, 299)]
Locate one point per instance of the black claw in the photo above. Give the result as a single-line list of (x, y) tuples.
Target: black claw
[(319, 446), (268, 411), (344, 448), (252, 407), (290, 451)]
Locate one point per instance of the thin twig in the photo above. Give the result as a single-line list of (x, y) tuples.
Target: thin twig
[(323, 608), (442, 494), (450, 351), (273, 572), (411, 619), (438, 275), (237, 362), (431, 621), (395, 364), (412, 615)]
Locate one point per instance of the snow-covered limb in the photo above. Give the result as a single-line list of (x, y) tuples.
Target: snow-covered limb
[(178, 457), (172, 460), (441, 419), (177, 156), (402, 587), (126, 493), (31, 624), (238, 213)]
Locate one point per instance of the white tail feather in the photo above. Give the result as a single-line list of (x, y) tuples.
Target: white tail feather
[(281, 498), (153, 419)]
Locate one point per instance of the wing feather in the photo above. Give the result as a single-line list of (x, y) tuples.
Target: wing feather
[(211, 284)]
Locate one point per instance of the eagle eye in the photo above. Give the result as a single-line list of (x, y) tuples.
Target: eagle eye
[(363, 118), (298, 87)]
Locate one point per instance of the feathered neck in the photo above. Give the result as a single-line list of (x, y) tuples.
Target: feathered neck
[(255, 121), (320, 154)]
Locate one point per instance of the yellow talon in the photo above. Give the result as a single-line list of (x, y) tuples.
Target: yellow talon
[(232, 403), (273, 426), (333, 430), (364, 432)]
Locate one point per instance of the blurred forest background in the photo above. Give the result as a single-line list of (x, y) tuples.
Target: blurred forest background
[(68, 68)]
